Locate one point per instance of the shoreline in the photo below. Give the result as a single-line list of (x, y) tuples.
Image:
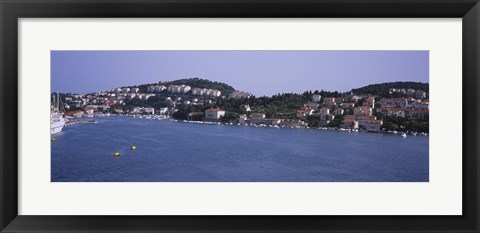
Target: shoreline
[(159, 117)]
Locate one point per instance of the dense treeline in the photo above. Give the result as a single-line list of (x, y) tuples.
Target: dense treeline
[(192, 82), (204, 83), (283, 106), (403, 124), (383, 88)]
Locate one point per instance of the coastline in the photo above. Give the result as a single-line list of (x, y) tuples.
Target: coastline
[(161, 117)]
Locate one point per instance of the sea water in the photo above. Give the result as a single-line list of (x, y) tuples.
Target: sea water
[(168, 151)]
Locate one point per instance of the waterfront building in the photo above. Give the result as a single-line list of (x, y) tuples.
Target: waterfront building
[(163, 110), (349, 124), (257, 115), (372, 125), (78, 113), (149, 110), (264, 121), (292, 123), (142, 110), (325, 119), (214, 113), (242, 119)]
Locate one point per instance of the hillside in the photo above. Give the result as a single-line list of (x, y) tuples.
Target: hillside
[(204, 83), (381, 88), (194, 83)]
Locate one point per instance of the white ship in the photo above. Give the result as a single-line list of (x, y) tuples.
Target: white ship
[(57, 120)]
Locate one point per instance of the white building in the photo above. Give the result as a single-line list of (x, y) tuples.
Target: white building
[(363, 110), (311, 105), (324, 111), (246, 107), (239, 95), (178, 88), (163, 110), (214, 113), (326, 119), (242, 119), (125, 89), (420, 94), (257, 115), (144, 110), (372, 125), (316, 98), (156, 88), (338, 111), (205, 91)]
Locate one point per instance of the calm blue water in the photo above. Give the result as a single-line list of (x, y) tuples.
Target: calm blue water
[(172, 151)]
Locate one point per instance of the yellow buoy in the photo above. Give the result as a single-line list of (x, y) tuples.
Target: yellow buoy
[(133, 147), (116, 154)]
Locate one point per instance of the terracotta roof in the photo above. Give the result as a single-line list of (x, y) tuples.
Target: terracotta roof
[(419, 110), (348, 121), (216, 109), (375, 121)]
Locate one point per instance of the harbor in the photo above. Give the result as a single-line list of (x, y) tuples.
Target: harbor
[(172, 151)]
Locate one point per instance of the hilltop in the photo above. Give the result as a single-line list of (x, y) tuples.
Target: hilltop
[(382, 88), (195, 83)]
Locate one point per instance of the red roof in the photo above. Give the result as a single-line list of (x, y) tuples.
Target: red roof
[(216, 109), (419, 110)]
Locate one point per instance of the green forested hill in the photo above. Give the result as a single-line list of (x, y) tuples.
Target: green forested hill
[(378, 89), (194, 83), (204, 83)]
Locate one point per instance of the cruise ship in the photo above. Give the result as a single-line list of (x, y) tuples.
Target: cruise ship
[(57, 120)]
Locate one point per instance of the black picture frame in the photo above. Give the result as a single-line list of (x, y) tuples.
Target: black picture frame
[(12, 10)]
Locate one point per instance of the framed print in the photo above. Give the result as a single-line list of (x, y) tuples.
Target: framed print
[(231, 116)]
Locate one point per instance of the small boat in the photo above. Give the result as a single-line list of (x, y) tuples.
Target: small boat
[(404, 135)]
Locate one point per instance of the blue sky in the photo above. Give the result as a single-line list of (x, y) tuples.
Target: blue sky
[(258, 72)]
